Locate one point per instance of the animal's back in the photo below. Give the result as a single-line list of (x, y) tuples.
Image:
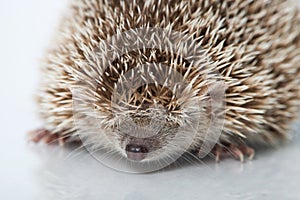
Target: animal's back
[(254, 46)]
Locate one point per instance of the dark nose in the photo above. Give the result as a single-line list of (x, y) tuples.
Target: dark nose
[(136, 148), (136, 152)]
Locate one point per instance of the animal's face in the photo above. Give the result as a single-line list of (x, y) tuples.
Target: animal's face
[(153, 133)]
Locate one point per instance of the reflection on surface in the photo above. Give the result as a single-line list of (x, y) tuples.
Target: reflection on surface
[(74, 174)]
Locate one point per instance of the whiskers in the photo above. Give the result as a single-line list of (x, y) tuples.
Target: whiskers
[(187, 158), (172, 156)]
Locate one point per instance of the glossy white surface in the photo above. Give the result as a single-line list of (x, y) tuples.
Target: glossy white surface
[(29, 171)]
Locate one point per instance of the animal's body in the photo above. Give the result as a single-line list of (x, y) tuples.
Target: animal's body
[(253, 46)]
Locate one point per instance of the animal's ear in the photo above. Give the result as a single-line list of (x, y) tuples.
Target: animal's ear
[(215, 109)]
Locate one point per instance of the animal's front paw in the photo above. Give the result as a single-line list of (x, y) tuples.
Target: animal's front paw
[(46, 137), (239, 152)]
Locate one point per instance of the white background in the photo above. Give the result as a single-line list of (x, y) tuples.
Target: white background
[(29, 171)]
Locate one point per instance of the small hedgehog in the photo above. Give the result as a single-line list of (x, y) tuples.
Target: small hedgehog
[(150, 79)]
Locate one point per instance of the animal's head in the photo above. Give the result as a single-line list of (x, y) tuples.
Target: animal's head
[(149, 103)]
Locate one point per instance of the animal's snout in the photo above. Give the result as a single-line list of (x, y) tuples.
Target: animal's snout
[(136, 148), (136, 152)]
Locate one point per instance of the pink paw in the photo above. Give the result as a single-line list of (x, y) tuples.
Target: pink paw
[(46, 136), (239, 152)]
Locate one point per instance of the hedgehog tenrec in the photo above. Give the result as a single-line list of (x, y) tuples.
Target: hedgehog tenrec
[(251, 46)]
